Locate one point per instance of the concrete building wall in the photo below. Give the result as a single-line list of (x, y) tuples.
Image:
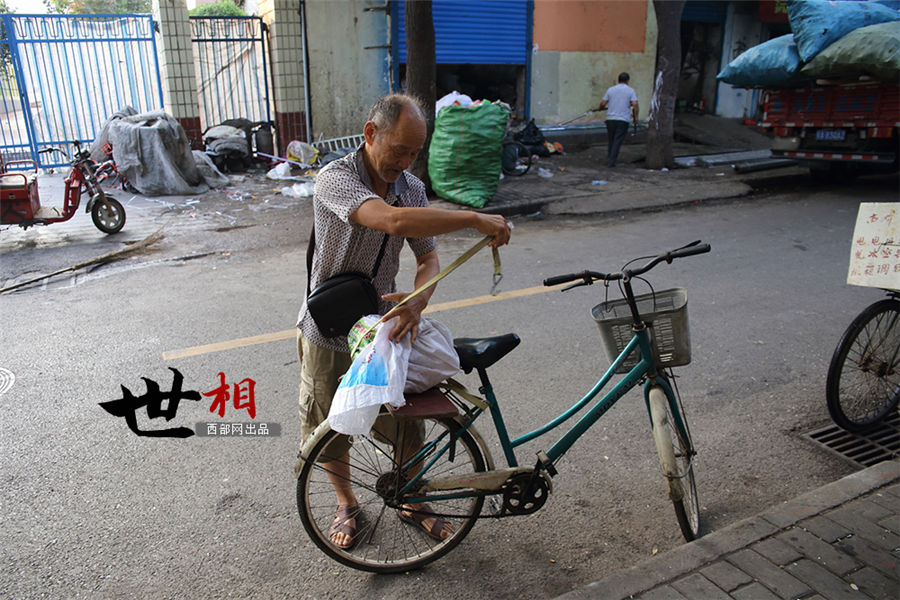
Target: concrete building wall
[(580, 47), (349, 63)]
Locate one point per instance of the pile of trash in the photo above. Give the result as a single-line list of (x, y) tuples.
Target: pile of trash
[(233, 145), (471, 148), (151, 155), (304, 160), (836, 41)]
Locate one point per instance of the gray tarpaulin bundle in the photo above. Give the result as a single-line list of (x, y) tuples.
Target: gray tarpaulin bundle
[(154, 155)]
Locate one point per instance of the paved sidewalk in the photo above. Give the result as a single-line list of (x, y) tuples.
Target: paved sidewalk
[(839, 541)]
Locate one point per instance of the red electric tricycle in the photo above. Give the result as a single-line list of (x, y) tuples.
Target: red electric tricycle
[(20, 204)]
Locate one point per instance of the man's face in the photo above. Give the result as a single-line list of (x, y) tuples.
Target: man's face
[(391, 152)]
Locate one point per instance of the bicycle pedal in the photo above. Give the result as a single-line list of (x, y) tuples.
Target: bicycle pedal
[(495, 506)]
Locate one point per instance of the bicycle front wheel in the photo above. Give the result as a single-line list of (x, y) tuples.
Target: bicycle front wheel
[(385, 543), (108, 215), (676, 458), (863, 383)]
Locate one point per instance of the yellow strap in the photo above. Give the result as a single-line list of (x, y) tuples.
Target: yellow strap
[(461, 390), (449, 269)]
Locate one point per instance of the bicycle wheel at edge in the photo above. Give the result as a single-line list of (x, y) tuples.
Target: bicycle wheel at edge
[(522, 158), (386, 544), (675, 456), (863, 383)]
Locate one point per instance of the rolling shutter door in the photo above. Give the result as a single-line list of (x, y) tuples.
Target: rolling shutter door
[(472, 31)]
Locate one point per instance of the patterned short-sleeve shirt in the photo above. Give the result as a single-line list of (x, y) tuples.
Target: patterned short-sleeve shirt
[(344, 246)]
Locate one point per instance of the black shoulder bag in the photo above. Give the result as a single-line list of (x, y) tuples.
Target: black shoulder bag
[(340, 301)]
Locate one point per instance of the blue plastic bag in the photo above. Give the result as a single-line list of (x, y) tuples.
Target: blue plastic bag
[(770, 63), (376, 376), (818, 23)]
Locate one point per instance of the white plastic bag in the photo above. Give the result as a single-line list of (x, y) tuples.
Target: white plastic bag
[(302, 152), (432, 358), (450, 99), (376, 377), (280, 171), (299, 190)]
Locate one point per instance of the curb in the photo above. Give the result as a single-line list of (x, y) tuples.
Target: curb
[(582, 202), (712, 547)]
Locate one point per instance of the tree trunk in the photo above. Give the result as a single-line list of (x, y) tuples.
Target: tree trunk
[(420, 72), (660, 123)]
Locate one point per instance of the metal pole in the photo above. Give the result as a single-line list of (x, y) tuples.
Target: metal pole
[(307, 97)]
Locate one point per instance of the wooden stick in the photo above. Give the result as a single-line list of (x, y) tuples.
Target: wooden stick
[(104, 258)]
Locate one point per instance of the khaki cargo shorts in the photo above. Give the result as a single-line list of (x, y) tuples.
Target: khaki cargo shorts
[(320, 373)]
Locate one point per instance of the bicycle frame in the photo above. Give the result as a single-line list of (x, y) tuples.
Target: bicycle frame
[(645, 369)]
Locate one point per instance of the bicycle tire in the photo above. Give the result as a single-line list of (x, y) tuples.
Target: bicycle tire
[(676, 458), (863, 382), (522, 162), (387, 544)]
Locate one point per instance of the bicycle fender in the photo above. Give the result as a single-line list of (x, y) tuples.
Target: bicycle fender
[(309, 444), (485, 452), (663, 441), (90, 203)]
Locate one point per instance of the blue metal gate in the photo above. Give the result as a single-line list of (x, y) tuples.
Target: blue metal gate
[(66, 75), (232, 73)]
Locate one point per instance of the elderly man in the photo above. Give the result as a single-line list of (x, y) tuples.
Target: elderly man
[(358, 200)]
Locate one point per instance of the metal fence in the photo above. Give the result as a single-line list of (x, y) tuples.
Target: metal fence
[(63, 76), (230, 54), (66, 75)]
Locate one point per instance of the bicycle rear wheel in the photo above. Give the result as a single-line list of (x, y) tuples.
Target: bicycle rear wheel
[(385, 543), (863, 383), (676, 458)]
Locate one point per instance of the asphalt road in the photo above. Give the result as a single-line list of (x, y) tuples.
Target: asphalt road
[(91, 510)]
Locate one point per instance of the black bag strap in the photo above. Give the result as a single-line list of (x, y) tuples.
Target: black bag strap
[(312, 247)]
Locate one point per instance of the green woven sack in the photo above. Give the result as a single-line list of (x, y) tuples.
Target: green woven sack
[(464, 155)]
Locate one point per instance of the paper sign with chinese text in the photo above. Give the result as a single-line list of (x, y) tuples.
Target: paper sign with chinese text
[(875, 253)]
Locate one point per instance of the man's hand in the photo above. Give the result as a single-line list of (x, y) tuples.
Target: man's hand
[(408, 315), (494, 226)]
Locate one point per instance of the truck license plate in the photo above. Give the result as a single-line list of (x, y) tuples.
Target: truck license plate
[(831, 135)]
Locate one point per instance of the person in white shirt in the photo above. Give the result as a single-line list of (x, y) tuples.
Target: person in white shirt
[(621, 104)]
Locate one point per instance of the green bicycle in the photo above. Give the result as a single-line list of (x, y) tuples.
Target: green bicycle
[(436, 467)]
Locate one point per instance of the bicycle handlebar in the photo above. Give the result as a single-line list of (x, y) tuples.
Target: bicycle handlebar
[(589, 277)]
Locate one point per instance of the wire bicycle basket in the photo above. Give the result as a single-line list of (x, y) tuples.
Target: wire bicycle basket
[(664, 312)]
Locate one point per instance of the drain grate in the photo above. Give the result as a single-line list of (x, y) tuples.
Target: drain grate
[(866, 449)]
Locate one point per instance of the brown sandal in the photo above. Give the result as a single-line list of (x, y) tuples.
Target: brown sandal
[(418, 516), (341, 524)]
